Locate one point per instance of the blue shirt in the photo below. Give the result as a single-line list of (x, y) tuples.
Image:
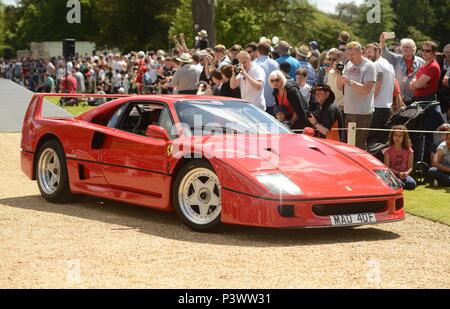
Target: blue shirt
[(400, 68), (311, 79), (268, 65), (292, 61)]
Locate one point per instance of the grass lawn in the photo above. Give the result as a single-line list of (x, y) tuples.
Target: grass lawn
[(429, 202), (74, 110)]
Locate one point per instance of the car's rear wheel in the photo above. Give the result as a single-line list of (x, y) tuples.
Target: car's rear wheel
[(51, 173), (197, 196)]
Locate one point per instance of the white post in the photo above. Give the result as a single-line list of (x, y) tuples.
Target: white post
[(351, 133)]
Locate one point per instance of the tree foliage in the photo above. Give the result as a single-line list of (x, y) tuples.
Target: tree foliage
[(244, 21), (183, 22), (348, 12), (2, 25), (136, 24), (367, 29), (419, 20), (45, 20)]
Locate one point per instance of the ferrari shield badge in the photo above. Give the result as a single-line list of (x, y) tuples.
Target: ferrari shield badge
[(169, 150)]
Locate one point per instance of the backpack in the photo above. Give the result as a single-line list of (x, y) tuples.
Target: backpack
[(147, 78)]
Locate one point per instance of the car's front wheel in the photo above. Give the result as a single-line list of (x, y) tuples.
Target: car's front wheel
[(197, 196), (51, 173)]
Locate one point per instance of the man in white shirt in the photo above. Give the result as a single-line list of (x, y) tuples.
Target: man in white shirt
[(268, 65), (251, 80), (50, 68), (185, 80), (118, 64), (69, 67), (383, 97), (117, 81), (358, 83)]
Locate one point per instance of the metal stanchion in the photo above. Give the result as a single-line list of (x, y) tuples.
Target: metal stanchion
[(351, 133)]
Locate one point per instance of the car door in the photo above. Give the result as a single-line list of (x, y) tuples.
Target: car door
[(132, 161)]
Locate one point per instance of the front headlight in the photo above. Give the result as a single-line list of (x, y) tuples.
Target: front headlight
[(389, 178), (279, 184)]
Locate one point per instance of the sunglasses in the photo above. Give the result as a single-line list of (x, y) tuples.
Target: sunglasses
[(427, 51), (275, 80)]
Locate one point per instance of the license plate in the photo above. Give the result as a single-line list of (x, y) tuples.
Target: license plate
[(366, 218)]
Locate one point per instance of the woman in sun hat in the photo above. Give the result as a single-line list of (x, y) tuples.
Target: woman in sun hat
[(328, 117)]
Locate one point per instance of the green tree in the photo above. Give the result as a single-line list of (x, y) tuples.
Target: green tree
[(419, 14), (348, 12), (134, 24), (369, 30), (45, 20), (183, 22), (440, 30), (2, 25), (243, 21), (417, 35)]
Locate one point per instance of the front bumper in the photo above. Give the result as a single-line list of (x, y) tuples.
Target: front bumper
[(240, 208)]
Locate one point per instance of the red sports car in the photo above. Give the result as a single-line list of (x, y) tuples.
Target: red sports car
[(211, 159)]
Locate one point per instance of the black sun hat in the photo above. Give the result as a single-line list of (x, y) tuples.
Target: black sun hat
[(325, 88)]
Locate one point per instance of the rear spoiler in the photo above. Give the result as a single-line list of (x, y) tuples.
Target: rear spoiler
[(35, 108)]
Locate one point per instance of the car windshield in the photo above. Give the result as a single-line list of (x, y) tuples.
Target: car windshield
[(206, 117)]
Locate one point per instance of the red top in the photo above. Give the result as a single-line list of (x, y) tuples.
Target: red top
[(409, 66), (398, 159), (72, 84), (432, 70), (141, 71), (283, 101)]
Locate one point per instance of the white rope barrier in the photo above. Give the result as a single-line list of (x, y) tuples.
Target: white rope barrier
[(372, 129), (351, 129)]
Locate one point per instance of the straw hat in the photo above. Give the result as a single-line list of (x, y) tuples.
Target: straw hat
[(304, 51), (185, 58), (203, 34)]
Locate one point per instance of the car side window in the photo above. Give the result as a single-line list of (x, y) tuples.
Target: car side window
[(114, 121), (166, 122)]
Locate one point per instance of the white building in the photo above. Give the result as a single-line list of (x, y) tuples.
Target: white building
[(55, 49)]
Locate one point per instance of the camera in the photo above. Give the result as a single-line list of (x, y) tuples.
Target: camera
[(340, 67), (238, 69), (203, 84)]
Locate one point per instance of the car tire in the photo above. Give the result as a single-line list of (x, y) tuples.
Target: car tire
[(196, 194), (51, 173)]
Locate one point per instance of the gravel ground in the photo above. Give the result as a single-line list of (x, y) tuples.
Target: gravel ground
[(103, 244)]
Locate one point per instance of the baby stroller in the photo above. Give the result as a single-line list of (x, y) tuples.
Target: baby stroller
[(412, 117)]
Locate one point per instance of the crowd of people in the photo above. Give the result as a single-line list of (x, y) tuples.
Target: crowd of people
[(299, 85)]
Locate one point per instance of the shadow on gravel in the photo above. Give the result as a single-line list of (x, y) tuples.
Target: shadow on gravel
[(167, 225)]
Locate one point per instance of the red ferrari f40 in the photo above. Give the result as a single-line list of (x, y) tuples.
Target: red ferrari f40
[(211, 159)]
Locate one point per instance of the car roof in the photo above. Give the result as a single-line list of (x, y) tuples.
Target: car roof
[(166, 98), (176, 98)]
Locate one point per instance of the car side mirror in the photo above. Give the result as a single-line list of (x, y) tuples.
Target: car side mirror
[(157, 132)]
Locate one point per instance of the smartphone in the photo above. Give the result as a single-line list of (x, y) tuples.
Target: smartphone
[(389, 35)]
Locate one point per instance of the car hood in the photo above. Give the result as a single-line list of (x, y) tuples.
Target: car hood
[(318, 167)]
